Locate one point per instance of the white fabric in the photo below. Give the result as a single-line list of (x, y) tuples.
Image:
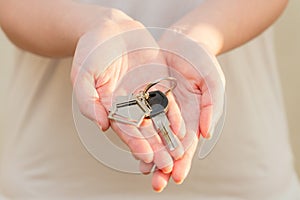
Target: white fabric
[(43, 157)]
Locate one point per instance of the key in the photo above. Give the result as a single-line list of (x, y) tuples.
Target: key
[(159, 105), (131, 109)]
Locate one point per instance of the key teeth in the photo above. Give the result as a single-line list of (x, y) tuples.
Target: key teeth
[(173, 144), (171, 148), (154, 108), (162, 126)]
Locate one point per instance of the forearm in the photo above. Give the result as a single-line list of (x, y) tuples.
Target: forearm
[(49, 28), (223, 25)]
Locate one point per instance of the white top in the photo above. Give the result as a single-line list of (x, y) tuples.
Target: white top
[(44, 158)]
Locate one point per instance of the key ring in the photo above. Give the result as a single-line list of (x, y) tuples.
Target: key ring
[(171, 79)]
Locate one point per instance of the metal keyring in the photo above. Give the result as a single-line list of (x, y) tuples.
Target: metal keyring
[(171, 79)]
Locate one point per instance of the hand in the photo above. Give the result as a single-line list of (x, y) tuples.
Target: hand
[(95, 78), (199, 94)]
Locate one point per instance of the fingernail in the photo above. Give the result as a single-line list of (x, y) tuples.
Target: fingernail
[(167, 170), (208, 136), (179, 182), (210, 133), (99, 126), (145, 173), (158, 190), (180, 154), (147, 158)]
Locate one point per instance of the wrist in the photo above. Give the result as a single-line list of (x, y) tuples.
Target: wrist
[(203, 34), (84, 18), (92, 17), (107, 22)]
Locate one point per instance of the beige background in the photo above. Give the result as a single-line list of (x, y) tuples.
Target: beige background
[(287, 42)]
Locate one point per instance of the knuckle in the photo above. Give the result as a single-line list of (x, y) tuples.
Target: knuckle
[(117, 15)]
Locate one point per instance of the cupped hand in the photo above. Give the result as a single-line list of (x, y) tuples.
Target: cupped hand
[(199, 94), (103, 57)]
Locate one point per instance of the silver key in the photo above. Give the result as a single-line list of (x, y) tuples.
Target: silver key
[(131, 109), (159, 103)]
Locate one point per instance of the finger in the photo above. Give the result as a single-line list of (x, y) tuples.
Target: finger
[(211, 107), (146, 168), (160, 149), (158, 141), (162, 158), (182, 167), (175, 118), (138, 145), (160, 180), (206, 111), (88, 100)]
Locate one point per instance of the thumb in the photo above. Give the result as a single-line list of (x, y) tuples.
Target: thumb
[(89, 101), (212, 102), (212, 115), (206, 112)]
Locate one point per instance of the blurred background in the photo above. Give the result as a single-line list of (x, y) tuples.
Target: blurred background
[(287, 44)]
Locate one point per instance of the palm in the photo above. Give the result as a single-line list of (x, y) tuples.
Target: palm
[(99, 74), (200, 96), (102, 74)]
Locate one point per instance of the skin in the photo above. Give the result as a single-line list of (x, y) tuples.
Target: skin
[(219, 26)]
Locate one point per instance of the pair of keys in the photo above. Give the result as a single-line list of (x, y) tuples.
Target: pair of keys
[(134, 108)]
